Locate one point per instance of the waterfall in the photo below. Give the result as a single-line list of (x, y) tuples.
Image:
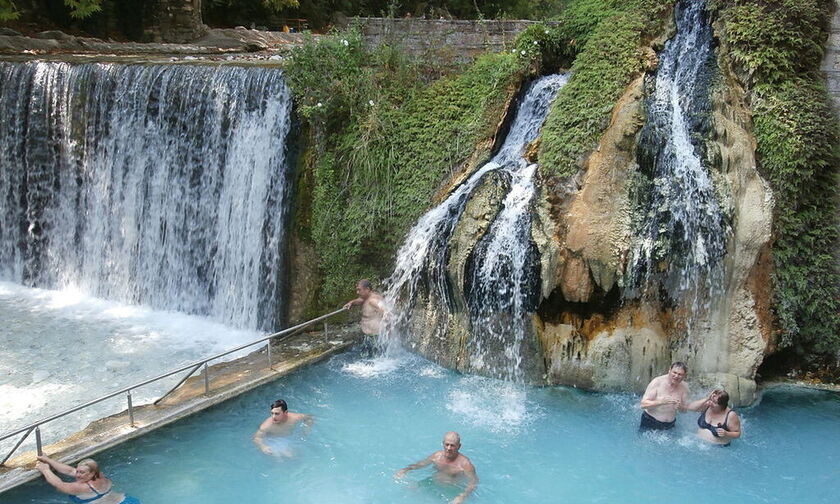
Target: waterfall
[(499, 288), (161, 185), (682, 232)]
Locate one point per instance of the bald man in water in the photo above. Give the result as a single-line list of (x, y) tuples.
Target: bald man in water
[(452, 466)]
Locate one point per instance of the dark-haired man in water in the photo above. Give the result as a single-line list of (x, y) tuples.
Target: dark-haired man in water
[(663, 397), (452, 466), (279, 426)]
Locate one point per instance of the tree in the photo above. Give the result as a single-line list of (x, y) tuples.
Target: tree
[(79, 9)]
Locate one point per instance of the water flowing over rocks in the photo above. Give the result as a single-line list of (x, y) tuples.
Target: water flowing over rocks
[(597, 324)]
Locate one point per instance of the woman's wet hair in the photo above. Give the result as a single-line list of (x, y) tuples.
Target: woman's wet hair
[(280, 403), (92, 466), (723, 398)]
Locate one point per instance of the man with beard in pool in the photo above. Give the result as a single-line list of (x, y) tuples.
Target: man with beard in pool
[(452, 466)]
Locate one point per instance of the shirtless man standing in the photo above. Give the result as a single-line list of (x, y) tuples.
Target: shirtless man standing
[(663, 397), (373, 307), (452, 466), (280, 425)]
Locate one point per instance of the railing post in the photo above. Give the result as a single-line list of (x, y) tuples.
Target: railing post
[(326, 332), (206, 379), (38, 446), (130, 409), (268, 345)]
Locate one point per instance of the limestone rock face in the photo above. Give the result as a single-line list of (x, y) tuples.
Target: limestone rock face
[(589, 339), (587, 330), (479, 212)]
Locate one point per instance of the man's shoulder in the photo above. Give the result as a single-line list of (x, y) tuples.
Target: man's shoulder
[(658, 380)]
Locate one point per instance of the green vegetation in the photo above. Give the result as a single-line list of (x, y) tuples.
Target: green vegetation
[(609, 35), (79, 9), (322, 13), (383, 134), (777, 48)]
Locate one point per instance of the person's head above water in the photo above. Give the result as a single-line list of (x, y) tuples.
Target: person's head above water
[(278, 410), (364, 288), (677, 372), (721, 398), (87, 470), (451, 445)]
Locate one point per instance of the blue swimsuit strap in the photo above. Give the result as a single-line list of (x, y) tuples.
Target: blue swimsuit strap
[(79, 500)]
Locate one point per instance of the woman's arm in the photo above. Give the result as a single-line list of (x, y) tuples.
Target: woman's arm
[(64, 487), (734, 431), (58, 466)]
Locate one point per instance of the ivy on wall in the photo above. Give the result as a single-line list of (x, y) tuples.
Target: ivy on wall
[(776, 47)]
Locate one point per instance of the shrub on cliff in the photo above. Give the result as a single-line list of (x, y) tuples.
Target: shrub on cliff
[(776, 47), (382, 137), (610, 35)]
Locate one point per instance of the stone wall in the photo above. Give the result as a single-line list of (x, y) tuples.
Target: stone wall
[(831, 67), (831, 62), (459, 40)]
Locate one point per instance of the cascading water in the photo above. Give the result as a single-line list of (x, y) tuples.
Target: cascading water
[(681, 237), (500, 285), (162, 185), (504, 283)]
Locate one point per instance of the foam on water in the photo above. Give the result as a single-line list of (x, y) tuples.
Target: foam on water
[(492, 405), (567, 446), (374, 367), (62, 348)]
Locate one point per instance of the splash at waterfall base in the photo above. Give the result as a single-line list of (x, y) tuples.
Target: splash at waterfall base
[(594, 324)]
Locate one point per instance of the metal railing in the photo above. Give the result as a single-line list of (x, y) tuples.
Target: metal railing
[(127, 390)]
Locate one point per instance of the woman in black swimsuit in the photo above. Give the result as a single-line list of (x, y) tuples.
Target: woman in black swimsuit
[(718, 423)]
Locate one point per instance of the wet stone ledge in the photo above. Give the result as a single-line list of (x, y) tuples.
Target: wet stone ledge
[(227, 380), (215, 41)]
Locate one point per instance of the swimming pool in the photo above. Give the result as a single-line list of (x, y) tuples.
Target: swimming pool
[(529, 445)]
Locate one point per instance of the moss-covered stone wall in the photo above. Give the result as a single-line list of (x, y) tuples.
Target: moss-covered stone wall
[(776, 47)]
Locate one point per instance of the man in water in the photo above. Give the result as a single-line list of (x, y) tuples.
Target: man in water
[(452, 466), (373, 307), (279, 426), (663, 397)]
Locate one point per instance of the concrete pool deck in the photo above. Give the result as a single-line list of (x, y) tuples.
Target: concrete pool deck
[(227, 380)]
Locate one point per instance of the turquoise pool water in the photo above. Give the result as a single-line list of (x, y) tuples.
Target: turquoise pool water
[(529, 445)]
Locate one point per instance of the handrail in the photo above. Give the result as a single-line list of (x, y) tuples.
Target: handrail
[(127, 390)]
